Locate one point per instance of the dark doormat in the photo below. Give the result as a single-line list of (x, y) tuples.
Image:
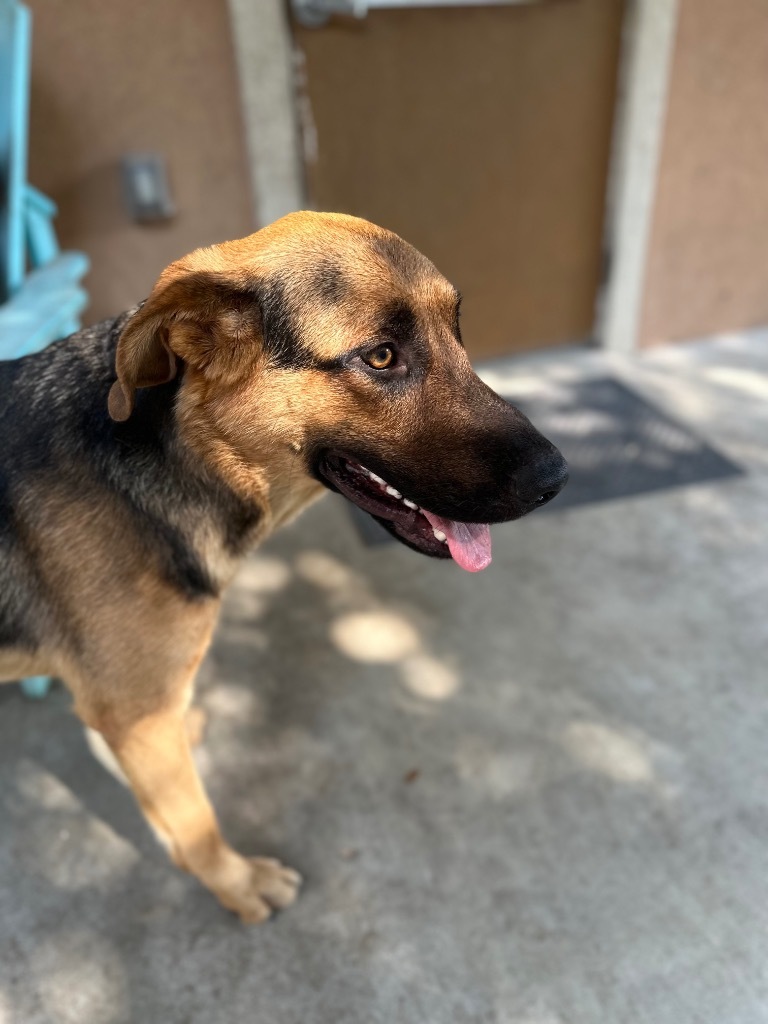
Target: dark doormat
[(617, 444)]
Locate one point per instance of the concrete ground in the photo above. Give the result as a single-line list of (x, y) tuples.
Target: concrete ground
[(534, 796)]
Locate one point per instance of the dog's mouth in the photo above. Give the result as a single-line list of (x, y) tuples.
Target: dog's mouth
[(469, 544)]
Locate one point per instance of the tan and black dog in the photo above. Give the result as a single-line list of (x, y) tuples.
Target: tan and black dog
[(142, 458)]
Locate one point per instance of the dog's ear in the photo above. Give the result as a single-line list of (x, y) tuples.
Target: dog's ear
[(208, 321), (143, 359)]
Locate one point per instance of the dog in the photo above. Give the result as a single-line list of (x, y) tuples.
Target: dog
[(142, 458)]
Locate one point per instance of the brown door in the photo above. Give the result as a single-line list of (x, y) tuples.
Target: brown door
[(480, 134)]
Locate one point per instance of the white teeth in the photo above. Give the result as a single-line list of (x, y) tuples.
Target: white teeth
[(439, 535), (388, 489)]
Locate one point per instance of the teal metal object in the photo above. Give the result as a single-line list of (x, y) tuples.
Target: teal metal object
[(36, 687), (15, 46), (39, 211), (47, 307), (41, 298)]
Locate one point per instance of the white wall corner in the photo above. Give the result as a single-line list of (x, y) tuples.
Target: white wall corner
[(264, 54), (647, 52)]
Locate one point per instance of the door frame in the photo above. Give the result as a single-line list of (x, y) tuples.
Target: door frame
[(647, 50), (261, 36), (268, 72)]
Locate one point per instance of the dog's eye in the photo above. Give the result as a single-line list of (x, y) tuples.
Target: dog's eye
[(381, 358)]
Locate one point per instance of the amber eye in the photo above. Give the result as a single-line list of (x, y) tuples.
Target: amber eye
[(381, 358)]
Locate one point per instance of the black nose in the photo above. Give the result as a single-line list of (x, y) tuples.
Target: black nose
[(542, 480)]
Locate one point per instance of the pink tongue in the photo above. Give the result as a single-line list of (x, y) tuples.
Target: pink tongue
[(469, 543)]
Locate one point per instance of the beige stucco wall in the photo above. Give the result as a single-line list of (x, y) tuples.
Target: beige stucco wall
[(707, 266), (120, 76)]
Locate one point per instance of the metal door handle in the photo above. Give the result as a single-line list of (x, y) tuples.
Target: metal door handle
[(314, 13)]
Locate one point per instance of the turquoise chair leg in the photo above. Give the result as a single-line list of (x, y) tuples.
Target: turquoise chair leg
[(36, 687)]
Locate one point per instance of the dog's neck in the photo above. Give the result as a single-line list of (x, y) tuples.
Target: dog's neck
[(269, 474), (224, 501)]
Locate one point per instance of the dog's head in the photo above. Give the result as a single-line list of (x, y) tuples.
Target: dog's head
[(325, 349)]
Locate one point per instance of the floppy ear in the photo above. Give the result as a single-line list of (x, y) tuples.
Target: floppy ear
[(143, 359), (208, 320)]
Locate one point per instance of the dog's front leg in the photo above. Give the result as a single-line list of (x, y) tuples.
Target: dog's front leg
[(155, 755), (137, 694)]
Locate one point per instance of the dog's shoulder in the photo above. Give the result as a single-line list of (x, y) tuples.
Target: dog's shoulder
[(58, 438), (44, 394)]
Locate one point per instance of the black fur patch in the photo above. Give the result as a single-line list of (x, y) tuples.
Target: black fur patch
[(55, 426), (282, 340), (329, 282), (21, 589), (398, 322), (145, 465)]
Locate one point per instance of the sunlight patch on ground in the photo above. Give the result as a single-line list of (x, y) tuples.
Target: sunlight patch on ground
[(427, 677), (325, 571), (375, 637), (73, 858), (264, 574), (80, 979), (608, 752), (748, 382), (225, 700), (500, 381), (39, 787), (368, 632)]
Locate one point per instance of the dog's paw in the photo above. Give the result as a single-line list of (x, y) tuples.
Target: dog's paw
[(267, 885)]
